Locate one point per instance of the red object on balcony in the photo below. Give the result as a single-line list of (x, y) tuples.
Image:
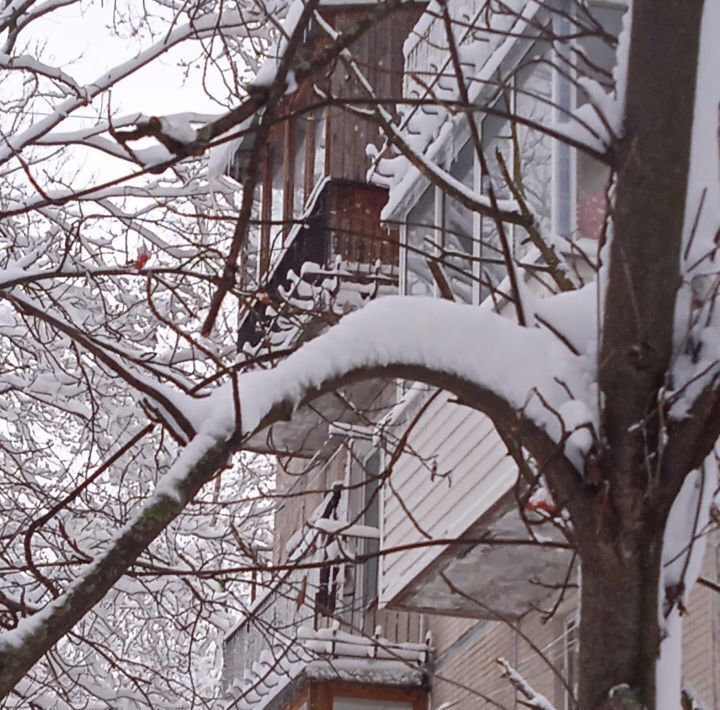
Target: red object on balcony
[(592, 208)]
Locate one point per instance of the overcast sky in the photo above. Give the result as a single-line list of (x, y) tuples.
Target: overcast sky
[(79, 40), (157, 89)]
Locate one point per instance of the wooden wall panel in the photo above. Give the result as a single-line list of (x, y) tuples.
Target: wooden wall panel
[(379, 55), (356, 233)]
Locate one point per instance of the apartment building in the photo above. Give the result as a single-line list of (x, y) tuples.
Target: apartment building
[(438, 618)]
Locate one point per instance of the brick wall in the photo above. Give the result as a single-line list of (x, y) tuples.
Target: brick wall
[(466, 669), (469, 678), (701, 656)]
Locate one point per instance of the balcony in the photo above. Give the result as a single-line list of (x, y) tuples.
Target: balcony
[(335, 259), (339, 239), (317, 635), (459, 486)]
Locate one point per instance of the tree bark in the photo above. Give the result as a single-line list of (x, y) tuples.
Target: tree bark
[(652, 161), (621, 550), (619, 633)]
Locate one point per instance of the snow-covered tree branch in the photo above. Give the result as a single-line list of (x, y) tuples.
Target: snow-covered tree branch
[(131, 407)]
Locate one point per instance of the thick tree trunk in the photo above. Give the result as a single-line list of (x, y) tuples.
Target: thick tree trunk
[(652, 162), (620, 631), (633, 482)]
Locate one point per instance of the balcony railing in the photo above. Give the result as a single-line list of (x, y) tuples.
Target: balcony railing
[(338, 241), (335, 259), (319, 612)]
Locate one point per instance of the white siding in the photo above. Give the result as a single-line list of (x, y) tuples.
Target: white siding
[(458, 469)]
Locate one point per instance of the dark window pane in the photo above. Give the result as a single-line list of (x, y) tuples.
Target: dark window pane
[(277, 203), (533, 103), (318, 157), (372, 518), (533, 169), (298, 165)]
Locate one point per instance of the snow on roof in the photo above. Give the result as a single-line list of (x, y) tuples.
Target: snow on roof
[(430, 77), (331, 654)]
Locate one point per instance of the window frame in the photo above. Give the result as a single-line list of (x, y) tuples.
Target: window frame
[(570, 661), (564, 170), (359, 454), (369, 599), (439, 215)]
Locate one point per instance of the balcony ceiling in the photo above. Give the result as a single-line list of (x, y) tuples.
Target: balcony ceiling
[(490, 581), (307, 431)]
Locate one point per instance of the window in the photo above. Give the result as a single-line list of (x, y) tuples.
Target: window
[(274, 212), (251, 273), (565, 188), (437, 223), (295, 163), (317, 148), (363, 509), (564, 157), (458, 230), (422, 235), (570, 661), (346, 590), (297, 169), (596, 60), (496, 139), (533, 166), (371, 517), (581, 199), (366, 704)]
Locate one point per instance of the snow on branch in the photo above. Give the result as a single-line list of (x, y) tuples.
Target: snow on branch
[(470, 351), (530, 697), (21, 647), (167, 403), (197, 29), (149, 191), (27, 63), (427, 338)]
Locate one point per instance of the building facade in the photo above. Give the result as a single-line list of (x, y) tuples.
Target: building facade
[(475, 580)]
